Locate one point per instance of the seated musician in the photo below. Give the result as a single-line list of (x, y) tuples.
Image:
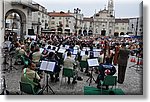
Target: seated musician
[(29, 75), (52, 58), (104, 70), (36, 56), (84, 58), (22, 51), (69, 63)]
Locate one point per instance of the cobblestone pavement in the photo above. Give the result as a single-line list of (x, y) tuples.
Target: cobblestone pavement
[(133, 84)]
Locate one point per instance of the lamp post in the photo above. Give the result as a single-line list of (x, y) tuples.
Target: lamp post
[(76, 11)]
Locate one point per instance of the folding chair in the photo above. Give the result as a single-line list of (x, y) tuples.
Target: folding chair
[(67, 73), (83, 64), (29, 89)]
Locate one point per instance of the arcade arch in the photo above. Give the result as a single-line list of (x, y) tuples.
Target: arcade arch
[(18, 19)]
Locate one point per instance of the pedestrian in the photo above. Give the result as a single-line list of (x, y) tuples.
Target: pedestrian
[(122, 63)]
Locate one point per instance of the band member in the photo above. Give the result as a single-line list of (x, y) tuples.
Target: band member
[(69, 63), (29, 75)]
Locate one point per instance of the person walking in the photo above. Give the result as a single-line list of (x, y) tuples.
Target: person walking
[(122, 63)]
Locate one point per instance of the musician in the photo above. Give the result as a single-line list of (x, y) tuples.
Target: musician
[(36, 56), (69, 63), (55, 75), (29, 75), (104, 70), (84, 58)]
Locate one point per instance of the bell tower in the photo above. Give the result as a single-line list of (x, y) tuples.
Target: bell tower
[(111, 7)]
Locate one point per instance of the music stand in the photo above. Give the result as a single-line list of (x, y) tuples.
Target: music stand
[(47, 86), (47, 67), (92, 63)]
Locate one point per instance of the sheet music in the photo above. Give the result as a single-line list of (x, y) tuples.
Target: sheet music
[(43, 65), (50, 66), (61, 50), (56, 49), (75, 48), (73, 57), (98, 50), (93, 62), (75, 51), (47, 66), (41, 50), (88, 49), (96, 54), (67, 46), (82, 53), (46, 46)]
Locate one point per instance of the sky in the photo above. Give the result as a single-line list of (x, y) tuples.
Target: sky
[(123, 8)]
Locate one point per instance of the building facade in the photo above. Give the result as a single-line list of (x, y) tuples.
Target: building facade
[(87, 26), (121, 26), (40, 19), (62, 22), (24, 9), (135, 26), (104, 20)]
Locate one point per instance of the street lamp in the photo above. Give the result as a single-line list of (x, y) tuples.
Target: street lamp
[(76, 11)]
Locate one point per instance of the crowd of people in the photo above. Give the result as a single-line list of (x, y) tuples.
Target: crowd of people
[(69, 51)]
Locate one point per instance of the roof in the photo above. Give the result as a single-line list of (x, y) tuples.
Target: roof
[(122, 20), (59, 14)]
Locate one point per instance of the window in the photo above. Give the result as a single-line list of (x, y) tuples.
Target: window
[(42, 15), (59, 17), (39, 13), (53, 22), (7, 25), (97, 15), (38, 19), (67, 25), (122, 28), (53, 17), (42, 21), (117, 28)]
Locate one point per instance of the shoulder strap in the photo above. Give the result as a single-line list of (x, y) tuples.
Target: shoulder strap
[(25, 75)]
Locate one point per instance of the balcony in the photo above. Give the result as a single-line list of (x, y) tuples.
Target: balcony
[(30, 5)]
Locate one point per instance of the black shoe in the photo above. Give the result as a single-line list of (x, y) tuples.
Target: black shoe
[(74, 82), (81, 70), (56, 79), (79, 79), (120, 82), (88, 74), (68, 82)]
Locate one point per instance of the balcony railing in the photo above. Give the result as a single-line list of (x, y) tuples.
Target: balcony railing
[(25, 3)]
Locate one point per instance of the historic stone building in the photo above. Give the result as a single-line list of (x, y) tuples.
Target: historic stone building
[(104, 20), (121, 26), (40, 19)]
